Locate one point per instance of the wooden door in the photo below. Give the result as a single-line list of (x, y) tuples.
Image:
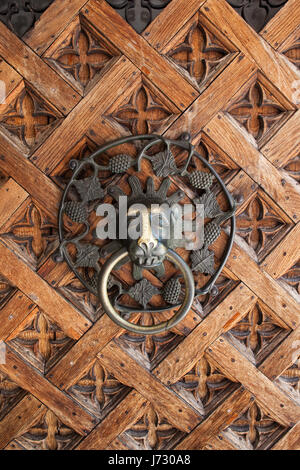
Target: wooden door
[(75, 74)]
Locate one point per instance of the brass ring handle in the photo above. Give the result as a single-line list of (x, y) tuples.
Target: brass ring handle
[(154, 329)]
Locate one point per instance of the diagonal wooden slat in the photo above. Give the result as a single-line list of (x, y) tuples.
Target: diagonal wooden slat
[(73, 323), (34, 70), (27, 378)]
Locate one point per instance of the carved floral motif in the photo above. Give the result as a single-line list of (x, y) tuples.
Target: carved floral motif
[(200, 54), (258, 111), (292, 277), (6, 289), (259, 224), (33, 233), (257, 331), (204, 386), (293, 168), (255, 429), (151, 432), (28, 119), (143, 113), (289, 381), (48, 433), (98, 390), (82, 55), (149, 349), (10, 394), (41, 341), (293, 52)]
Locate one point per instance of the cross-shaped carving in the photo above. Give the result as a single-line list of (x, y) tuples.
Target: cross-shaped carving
[(33, 232), (197, 54), (255, 112), (84, 57), (28, 119), (142, 113)]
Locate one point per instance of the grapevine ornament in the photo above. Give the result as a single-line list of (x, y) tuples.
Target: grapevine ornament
[(97, 265)]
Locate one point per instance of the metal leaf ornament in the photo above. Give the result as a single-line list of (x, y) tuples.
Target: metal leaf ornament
[(143, 292), (210, 203), (164, 164), (87, 256), (203, 261), (89, 188)]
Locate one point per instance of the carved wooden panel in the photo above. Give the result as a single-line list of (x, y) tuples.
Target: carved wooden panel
[(78, 73)]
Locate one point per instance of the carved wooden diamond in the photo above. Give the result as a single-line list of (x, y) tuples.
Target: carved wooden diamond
[(149, 349), (145, 111), (31, 233), (47, 433), (199, 52), (292, 278), (292, 167), (257, 13), (20, 16), (80, 55), (6, 289), (151, 432), (26, 118), (40, 341), (292, 51), (260, 111), (98, 391), (261, 224), (138, 13), (254, 429), (259, 332), (204, 386), (289, 381)]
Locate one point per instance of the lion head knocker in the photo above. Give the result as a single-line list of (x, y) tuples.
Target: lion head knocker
[(145, 215)]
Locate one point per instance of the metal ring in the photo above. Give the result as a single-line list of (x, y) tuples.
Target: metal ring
[(154, 329)]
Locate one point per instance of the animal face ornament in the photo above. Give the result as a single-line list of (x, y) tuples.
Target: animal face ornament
[(139, 241)]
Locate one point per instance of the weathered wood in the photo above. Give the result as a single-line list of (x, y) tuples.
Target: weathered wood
[(284, 255), (219, 420), (11, 197), (253, 380), (240, 147), (33, 69), (153, 66), (73, 323), (179, 413), (182, 359), (285, 145), (253, 46), (93, 105), (65, 408), (264, 286), (171, 19), (123, 415), (203, 109), (21, 416), (13, 313), (52, 23), (281, 26)]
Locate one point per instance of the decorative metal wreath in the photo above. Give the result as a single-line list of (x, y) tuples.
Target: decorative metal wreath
[(94, 181)]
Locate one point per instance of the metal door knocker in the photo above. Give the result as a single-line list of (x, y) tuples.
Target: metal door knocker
[(133, 266)]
